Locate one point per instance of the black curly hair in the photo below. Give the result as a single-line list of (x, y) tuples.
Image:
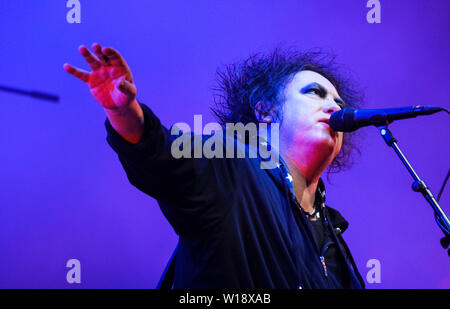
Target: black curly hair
[(264, 76)]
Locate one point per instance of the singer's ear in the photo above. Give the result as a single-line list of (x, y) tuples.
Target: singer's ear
[(266, 112)]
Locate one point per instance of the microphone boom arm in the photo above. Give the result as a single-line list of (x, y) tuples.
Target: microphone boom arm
[(31, 93), (419, 186)]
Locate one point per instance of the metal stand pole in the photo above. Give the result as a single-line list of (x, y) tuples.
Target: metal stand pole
[(419, 186)]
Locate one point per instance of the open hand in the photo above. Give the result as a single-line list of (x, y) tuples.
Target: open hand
[(110, 81)]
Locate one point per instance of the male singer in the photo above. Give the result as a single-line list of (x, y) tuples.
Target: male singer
[(241, 226)]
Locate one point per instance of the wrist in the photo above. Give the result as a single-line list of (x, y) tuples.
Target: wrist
[(120, 111), (128, 121)]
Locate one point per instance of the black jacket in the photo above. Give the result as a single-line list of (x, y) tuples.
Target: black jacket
[(237, 225)]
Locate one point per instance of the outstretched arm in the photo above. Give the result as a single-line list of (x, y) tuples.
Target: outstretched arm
[(188, 189)]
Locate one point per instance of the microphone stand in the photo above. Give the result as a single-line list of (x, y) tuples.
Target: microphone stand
[(31, 93), (419, 186)]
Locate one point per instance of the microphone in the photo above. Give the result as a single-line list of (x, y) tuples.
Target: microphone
[(350, 119)]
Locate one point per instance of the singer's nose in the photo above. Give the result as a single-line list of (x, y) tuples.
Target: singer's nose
[(331, 106)]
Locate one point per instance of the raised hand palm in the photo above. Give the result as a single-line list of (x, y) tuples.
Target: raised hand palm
[(111, 81), (102, 84)]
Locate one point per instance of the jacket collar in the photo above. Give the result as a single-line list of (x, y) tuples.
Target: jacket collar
[(336, 219)]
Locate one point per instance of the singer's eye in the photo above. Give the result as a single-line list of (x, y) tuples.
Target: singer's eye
[(316, 91), (340, 103)]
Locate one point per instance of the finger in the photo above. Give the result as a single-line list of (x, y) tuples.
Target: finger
[(93, 62), (126, 87), (98, 51), (79, 73), (114, 57), (117, 60)]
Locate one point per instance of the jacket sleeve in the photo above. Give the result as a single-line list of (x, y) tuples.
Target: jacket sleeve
[(186, 189)]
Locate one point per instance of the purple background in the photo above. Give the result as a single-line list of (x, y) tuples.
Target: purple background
[(64, 194)]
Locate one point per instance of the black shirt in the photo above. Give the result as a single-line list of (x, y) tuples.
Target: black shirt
[(238, 226), (329, 250)]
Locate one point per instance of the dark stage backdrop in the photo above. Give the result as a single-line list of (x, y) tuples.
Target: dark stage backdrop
[(64, 195)]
